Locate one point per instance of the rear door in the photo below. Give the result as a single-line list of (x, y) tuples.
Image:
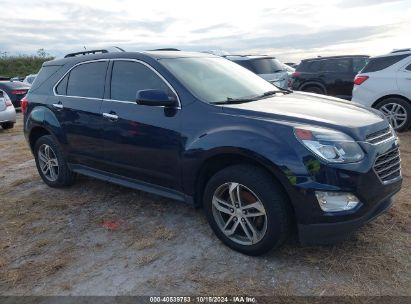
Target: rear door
[(404, 80), (140, 142), (339, 77), (77, 106)]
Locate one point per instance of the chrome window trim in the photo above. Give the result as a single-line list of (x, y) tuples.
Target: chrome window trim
[(107, 99)]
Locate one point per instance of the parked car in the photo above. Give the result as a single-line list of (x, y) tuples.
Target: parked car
[(17, 78), (332, 76), (7, 111), (385, 84), (267, 67), (200, 129), (29, 79), (16, 90)]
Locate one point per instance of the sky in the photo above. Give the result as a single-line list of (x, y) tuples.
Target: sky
[(291, 30)]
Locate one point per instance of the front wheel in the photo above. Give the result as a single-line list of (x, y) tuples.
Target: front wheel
[(247, 209), (397, 111)]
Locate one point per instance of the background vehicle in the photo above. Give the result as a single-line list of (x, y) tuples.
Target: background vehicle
[(29, 79), (292, 64), (16, 90), (7, 111), (204, 130), (17, 78), (385, 84), (267, 67), (332, 76)]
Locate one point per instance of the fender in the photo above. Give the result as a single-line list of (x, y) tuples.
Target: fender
[(43, 117), (274, 152)]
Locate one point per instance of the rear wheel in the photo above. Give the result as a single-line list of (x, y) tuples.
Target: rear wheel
[(7, 125), (247, 209), (314, 89), (50, 163), (397, 111)]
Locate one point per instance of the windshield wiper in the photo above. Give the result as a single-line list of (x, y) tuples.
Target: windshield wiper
[(231, 100)]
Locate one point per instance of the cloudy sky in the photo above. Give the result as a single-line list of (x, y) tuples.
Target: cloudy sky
[(288, 29)]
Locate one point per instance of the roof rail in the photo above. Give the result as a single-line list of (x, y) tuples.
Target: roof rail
[(400, 50), (165, 49), (102, 51)]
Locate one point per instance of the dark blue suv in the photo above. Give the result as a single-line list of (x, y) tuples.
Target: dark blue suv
[(204, 130)]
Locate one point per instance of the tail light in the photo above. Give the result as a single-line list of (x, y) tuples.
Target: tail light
[(24, 103), (295, 74), (358, 80), (19, 92), (8, 101)]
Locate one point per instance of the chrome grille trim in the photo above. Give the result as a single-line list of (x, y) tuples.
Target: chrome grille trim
[(380, 136), (387, 166)]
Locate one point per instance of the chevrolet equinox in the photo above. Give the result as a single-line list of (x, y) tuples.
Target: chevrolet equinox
[(262, 162)]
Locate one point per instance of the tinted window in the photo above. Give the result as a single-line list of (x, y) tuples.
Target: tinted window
[(129, 77), (339, 65), (87, 80), (378, 64), (266, 65), (61, 88), (316, 65), (408, 68), (358, 63), (45, 73)]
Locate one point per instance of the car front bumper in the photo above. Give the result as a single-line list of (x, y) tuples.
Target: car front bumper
[(8, 115)]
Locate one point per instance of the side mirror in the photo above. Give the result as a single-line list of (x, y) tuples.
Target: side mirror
[(155, 98)]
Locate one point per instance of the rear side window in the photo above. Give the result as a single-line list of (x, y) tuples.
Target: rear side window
[(339, 65), (87, 80), (378, 64), (408, 68), (61, 88), (129, 77), (313, 66), (358, 63), (45, 73)]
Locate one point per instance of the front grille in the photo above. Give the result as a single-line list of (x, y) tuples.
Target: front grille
[(380, 136), (388, 165)]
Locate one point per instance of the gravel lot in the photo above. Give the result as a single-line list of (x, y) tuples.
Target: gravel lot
[(95, 238)]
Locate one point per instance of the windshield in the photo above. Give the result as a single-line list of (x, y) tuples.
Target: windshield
[(215, 80), (262, 65)]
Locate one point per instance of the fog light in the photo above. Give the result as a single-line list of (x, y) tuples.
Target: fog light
[(336, 201)]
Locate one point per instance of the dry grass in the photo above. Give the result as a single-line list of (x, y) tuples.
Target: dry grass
[(147, 259), (164, 233)]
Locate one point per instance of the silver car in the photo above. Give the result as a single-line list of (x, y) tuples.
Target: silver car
[(7, 111), (267, 67)]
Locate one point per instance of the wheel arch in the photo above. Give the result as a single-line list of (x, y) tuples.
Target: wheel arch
[(313, 84), (219, 161), (390, 96)]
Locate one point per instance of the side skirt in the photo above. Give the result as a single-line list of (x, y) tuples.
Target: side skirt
[(131, 183)]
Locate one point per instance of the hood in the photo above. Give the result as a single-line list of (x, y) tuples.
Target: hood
[(313, 109)]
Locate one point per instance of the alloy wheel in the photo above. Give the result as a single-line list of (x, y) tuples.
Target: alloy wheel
[(48, 162), (239, 213), (396, 114)]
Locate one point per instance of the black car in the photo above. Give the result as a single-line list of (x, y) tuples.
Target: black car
[(332, 76), (16, 91), (201, 129)]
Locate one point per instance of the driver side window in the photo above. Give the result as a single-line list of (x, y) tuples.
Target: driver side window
[(128, 77)]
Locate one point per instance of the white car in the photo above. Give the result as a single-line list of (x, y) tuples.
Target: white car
[(385, 84), (30, 79), (7, 111)]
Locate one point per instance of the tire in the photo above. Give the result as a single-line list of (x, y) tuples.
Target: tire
[(7, 125), (314, 89), (397, 111), (253, 181), (62, 176)]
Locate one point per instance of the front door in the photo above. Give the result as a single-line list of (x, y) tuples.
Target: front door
[(141, 142)]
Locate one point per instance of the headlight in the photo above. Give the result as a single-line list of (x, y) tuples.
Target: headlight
[(330, 145)]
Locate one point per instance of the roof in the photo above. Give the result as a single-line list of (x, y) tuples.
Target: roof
[(247, 57), (332, 57), (14, 84), (161, 54)]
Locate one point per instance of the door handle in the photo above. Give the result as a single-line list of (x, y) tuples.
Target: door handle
[(111, 116), (58, 106)]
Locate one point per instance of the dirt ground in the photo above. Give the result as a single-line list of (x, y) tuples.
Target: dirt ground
[(96, 238)]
